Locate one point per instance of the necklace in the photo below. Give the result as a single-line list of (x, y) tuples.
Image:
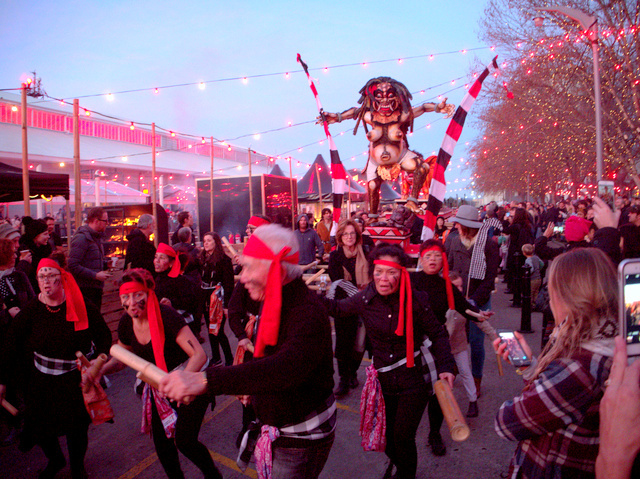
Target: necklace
[(52, 310)]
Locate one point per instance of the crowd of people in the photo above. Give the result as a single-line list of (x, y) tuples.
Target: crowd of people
[(418, 326)]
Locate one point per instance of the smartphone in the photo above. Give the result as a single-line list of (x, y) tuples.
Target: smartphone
[(605, 192), (516, 354), (629, 304), (558, 229)]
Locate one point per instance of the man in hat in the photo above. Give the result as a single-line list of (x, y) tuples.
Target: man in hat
[(86, 256), (476, 260), (291, 380)]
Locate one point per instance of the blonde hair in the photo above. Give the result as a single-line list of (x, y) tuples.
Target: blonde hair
[(584, 279), (527, 249)]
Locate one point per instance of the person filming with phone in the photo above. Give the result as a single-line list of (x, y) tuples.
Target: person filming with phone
[(556, 418)]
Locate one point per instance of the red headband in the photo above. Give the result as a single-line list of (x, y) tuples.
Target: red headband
[(169, 251), (76, 309), (445, 273), (257, 221), (156, 326), (406, 307), (270, 319)]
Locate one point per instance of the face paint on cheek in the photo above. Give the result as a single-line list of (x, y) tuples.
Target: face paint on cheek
[(138, 307)]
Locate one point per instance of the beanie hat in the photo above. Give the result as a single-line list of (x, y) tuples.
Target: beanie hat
[(9, 232), (34, 228)]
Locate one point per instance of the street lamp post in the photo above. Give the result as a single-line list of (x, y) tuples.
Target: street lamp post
[(590, 25)]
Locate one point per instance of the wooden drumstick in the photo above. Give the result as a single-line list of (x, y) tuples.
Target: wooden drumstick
[(451, 411), (148, 372), (12, 410), (231, 249), (93, 370), (315, 276)]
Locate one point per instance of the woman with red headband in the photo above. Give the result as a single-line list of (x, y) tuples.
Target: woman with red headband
[(51, 328), (157, 333), (444, 298), (397, 321), (174, 289)]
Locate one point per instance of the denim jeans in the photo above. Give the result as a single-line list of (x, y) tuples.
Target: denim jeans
[(476, 341), (301, 463)]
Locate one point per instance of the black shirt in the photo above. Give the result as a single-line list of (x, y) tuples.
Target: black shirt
[(174, 355)]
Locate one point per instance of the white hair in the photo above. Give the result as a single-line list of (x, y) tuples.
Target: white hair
[(275, 237), (145, 221)]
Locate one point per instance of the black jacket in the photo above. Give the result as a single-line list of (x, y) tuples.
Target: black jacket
[(295, 377), (140, 251), (380, 317), (86, 257)]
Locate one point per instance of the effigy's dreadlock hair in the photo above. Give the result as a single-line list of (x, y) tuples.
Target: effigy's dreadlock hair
[(367, 99)]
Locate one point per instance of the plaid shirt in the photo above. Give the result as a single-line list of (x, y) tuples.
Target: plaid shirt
[(556, 419)]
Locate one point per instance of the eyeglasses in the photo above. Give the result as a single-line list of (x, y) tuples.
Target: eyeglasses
[(47, 278), (104, 221), (349, 234)]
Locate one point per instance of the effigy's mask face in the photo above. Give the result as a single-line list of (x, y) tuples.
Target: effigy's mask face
[(385, 98)]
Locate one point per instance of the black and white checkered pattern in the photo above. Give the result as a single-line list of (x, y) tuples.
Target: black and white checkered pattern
[(57, 367), (317, 425), (187, 316)]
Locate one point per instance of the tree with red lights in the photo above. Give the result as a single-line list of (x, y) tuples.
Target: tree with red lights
[(540, 135)]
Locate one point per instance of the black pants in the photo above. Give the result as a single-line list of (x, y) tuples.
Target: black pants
[(404, 413), (435, 414), (348, 359), (186, 441), (77, 442), (219, 341)]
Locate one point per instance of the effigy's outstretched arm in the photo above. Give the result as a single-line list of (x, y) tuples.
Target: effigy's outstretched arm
[(442, 107), (349, 114)]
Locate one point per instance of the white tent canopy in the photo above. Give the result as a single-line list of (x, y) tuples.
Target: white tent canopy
[(111, 192)]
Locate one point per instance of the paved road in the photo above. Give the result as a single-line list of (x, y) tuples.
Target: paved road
[(120, 451)]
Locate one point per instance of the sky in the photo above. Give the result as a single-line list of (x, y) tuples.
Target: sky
[(83, 48)]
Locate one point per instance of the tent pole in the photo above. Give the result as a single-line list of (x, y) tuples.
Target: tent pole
[(25, 154), (293, 211), (319, 189), (211, 222), (349, 197), (68, 215), (250, 184), (76, 165), (154, 185)]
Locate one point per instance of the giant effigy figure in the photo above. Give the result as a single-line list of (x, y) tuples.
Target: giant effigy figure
[(387, 117)]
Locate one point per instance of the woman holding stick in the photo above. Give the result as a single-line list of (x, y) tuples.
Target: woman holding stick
[(443, 298), (50, 329), (173, 288), (397, 321), (556, 418), (158, 334), (216, 269)]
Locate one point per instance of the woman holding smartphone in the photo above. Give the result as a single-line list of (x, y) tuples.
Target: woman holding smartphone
[(556, 418)]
